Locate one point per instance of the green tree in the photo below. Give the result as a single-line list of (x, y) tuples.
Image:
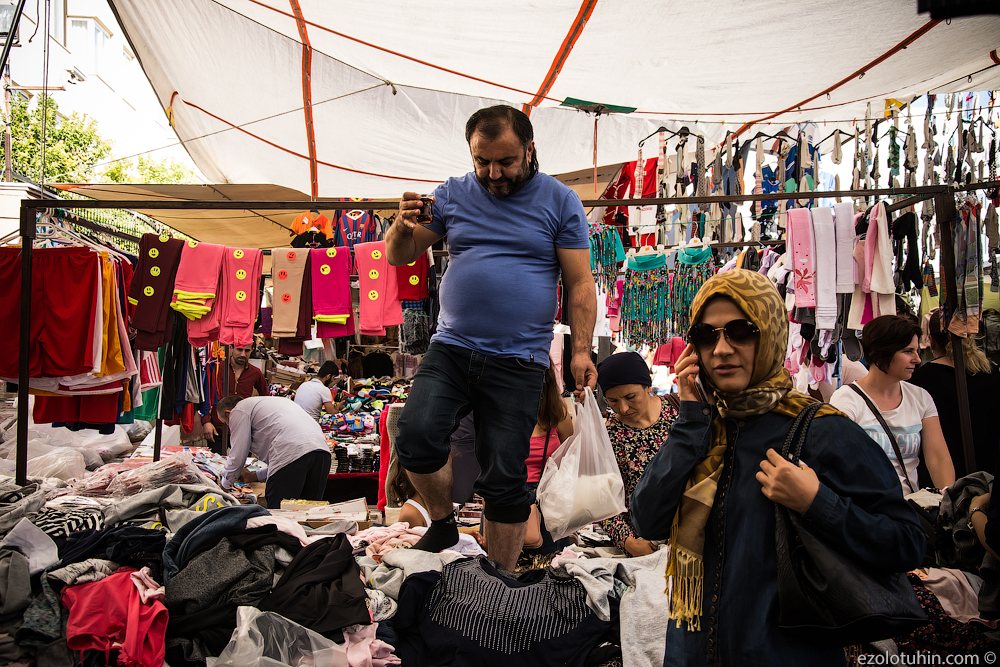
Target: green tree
[(147, 170), (73, 144)]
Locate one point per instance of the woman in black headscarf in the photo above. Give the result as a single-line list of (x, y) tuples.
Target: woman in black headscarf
[(637, 430)]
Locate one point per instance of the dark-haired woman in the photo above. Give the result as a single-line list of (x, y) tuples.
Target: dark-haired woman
[(890, 344), (982, 377), (554, 423), (637, 430)]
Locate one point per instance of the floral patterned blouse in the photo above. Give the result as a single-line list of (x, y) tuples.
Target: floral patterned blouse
[(634, 449)]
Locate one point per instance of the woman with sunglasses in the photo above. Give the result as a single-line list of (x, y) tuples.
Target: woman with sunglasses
[(637, 431), (891, 348), (712, 490)]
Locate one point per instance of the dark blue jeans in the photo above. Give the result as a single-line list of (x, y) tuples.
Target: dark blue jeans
[(504, 392)]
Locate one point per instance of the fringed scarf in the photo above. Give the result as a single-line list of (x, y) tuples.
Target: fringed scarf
[(770, 390)]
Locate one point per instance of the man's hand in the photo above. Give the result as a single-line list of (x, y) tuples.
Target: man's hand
[(638, 547), (584, 372), (246, 476), (409, 207), (795, 487), (210, 432)]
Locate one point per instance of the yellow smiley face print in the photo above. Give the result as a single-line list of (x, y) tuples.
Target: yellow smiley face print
[(325, 269), (373, 295), (331, 252), (241, 274), (241, 295), (414, 280), (148, 290), (154, 271), (154, 253), (376, 254), (373, 274), (238, 254)]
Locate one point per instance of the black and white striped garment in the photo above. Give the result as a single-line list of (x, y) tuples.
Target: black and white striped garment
[(56, 522), (470, 614)]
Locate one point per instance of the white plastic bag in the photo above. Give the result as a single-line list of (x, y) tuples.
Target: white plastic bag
[(265, 639), (581, 482)]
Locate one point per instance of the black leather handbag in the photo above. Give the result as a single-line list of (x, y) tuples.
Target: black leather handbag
[(826, 597)]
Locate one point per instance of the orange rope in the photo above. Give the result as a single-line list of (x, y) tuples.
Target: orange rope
[(917, 34), (307, 94), (586, 10)]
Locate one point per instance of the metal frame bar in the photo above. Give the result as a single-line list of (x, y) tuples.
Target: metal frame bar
[(942, 194)]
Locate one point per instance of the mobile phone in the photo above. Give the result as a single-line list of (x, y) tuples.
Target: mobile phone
[(426, 213), (701, 383)]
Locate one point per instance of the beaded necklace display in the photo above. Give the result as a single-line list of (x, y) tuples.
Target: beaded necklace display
[(605, 249), (645, 312), (694, 267)]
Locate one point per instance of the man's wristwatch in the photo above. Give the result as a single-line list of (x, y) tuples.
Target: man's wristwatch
[(973, 510)]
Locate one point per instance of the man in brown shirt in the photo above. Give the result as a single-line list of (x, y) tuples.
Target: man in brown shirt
[(244, 380)]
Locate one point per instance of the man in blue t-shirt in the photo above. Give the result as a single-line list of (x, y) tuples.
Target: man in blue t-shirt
[(512, 231)]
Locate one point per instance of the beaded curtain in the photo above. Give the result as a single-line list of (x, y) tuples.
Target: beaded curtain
[(646, 307), (603, 256), (687, 281)]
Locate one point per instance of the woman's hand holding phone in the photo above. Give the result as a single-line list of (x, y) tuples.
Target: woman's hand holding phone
[(688, 370)]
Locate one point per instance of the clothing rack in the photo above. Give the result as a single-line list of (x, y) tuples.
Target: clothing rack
[(944, 196)]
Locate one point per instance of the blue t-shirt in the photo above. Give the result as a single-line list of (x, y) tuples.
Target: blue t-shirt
[(498, 295)]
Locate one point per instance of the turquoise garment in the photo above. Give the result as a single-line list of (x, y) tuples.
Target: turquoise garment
[(619, 248), (691, 256), (647, 262)]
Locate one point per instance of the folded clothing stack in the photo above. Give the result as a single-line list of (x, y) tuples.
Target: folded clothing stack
[(197, 282)]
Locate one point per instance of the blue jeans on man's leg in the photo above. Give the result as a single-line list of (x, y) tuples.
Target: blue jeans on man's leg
[(504, 393)]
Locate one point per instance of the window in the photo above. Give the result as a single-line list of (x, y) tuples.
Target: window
[(88, 40), (57, 20)]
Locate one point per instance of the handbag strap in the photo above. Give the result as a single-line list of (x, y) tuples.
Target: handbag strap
[(545, 452), (796, 437), (885, 427)]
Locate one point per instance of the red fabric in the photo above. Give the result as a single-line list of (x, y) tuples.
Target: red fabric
[(621, 188), (412, 279), (63, 307), (108, 614), (386, 456), (96, 409), (648, 179), (668, 353), (640, 240)]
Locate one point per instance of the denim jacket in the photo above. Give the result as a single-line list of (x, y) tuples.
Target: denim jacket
[(859, 510)]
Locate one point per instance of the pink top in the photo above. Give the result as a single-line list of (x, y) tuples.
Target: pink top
[(803, 261), (537, 450)]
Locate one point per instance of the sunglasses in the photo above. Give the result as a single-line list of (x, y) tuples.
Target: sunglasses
[(738, 332)]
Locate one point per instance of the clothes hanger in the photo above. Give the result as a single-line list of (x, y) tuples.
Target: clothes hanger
[(683, 132)]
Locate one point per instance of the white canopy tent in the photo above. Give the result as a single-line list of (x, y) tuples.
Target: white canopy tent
[(368, 98)]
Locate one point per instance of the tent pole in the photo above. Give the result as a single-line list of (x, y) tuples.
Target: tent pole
[(24, 342), (944, 204), (157, 439)]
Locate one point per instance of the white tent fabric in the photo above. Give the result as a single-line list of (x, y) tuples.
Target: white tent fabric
[(389, 84)]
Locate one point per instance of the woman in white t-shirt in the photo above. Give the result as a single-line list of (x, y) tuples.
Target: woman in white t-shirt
[(890, 346)]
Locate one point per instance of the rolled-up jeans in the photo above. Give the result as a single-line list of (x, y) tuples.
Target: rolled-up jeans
[(504, 392)]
